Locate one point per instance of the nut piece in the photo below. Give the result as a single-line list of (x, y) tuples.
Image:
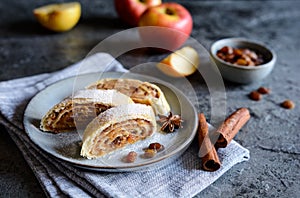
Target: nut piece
[(241, 62), (263, 90), (254, 95), (288, 104), (156, 146), (149, 153), (131, 157)]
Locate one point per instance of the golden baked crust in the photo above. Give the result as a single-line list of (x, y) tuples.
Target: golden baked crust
[(80, 109), (116, 128), (140, 92)]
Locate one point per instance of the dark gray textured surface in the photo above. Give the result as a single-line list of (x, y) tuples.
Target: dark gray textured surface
[(272, 135)]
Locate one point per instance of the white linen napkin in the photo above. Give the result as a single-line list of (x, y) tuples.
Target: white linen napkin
[(180, 178)]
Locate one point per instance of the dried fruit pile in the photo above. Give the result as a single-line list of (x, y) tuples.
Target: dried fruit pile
[(240, 56)]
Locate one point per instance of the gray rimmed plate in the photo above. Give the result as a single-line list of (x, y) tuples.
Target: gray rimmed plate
[(66, 146)]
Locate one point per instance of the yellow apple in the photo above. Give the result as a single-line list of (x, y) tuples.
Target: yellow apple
[(58, 17), (180, 63)]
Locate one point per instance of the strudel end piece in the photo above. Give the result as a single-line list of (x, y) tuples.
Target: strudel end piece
[(116, 128), (140, 92), (78, 110)]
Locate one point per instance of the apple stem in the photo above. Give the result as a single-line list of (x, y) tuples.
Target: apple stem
[(169, 11), (142, 1)]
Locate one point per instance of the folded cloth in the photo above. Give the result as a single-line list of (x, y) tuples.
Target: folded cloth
[(182, 177)]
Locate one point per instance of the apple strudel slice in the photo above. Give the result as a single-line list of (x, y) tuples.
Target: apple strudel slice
[(140, 92), (116, 128), (77, 111)]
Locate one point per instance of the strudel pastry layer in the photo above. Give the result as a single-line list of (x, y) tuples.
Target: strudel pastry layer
[(78, 110)]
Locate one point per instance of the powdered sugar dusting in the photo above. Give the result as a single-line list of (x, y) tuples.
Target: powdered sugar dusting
[(123, 111), (104, 96)]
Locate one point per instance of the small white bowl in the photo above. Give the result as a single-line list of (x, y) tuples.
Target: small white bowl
[(243, 74)]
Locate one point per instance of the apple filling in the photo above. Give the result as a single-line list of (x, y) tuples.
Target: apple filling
[(140, 92), (131, 88), (67, 116), (145, 91), (121, 134), (126, 88)]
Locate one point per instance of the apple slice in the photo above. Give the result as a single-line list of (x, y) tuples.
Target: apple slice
[(180, 63), (58, 17)]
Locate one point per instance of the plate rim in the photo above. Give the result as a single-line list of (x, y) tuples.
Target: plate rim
[(180, 149)]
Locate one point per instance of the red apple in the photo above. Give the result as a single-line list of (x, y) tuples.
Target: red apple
[(131, 10), (170, 26)]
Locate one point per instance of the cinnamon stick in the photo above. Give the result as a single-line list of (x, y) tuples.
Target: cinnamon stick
[(208, 153), (230, 127)]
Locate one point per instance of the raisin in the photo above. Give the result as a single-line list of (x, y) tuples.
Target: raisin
[(288, 104), (156, 146), (263, 90), (131, 157), (254, 95), (149, 153)]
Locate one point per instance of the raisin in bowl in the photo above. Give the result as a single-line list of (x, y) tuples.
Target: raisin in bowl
[(241, 60)]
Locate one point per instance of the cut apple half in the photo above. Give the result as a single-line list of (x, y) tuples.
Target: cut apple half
[(180, 63), (58, 17)]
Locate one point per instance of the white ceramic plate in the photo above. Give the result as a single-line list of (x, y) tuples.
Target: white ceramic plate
[(66, 146)]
